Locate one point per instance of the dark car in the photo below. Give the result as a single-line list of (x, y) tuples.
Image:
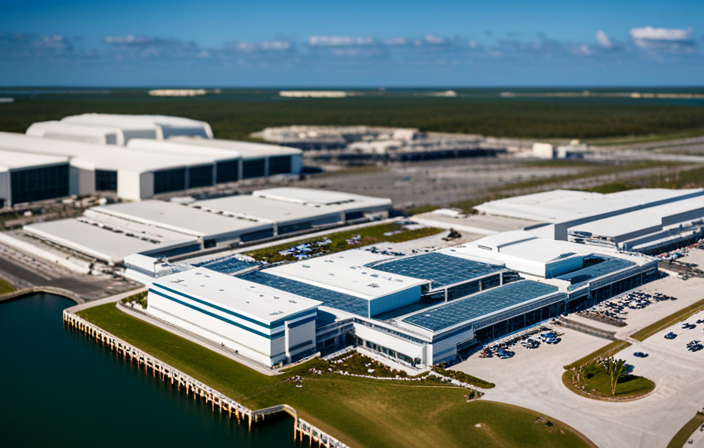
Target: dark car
[(640, 355), (670, 335)]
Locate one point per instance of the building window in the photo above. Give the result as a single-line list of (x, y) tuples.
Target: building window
[(253, 168), (200, 176), (169, 180), (105, 180), (279, 165), (37, 184), (228, 171)]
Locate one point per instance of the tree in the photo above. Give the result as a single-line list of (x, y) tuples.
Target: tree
[(615, 368)]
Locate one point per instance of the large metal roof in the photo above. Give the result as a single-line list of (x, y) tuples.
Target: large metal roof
[(176, 217), (10, 160), (252, 299), (333, 299), (478, 305), (441, 269), (247, 150), (608, 266), (94, 156)]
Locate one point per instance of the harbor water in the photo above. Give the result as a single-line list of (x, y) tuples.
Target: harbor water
[(60, 387)]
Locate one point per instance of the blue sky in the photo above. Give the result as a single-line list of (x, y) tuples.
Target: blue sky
[(356, 43)]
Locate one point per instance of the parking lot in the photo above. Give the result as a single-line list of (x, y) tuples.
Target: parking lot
[(533, 378)]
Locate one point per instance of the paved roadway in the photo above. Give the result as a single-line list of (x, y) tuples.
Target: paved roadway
[(533, 378)]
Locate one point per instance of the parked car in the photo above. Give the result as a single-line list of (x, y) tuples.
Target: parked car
[(670, 335), (640, 355)]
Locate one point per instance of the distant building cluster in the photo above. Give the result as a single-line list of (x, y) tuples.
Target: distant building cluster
[(424, 308), (574, 150), (374, 143), (135, 156), (177, 92)]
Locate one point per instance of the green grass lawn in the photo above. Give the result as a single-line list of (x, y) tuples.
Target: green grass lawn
[(594, 380), (360, 412), (684, 434), (6, 287), (668, 321), (341, 241)]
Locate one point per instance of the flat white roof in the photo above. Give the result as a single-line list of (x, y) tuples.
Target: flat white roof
[(74, 131), (345, 272), (179, 218), (94, 241), (247, 150), (644, 219), (94, 156), (134, 121), (255, 207), (251, 299), (523, 245), (565, 205), (10, 160), (319, 197), (165, 147)]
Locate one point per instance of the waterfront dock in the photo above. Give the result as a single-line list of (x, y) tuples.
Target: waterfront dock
[(218, 401)]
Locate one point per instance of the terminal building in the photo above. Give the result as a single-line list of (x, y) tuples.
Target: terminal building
[(110, 233), (427, 308)]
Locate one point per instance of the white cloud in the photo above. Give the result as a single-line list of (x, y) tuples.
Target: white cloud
[(665, 38), (339, 41), (650, 33), (603, 39), (261, 47)]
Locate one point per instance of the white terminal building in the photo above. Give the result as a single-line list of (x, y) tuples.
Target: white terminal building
[(426, 308), (140, 156)]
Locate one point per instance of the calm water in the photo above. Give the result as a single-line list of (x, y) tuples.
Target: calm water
[(57, 388)]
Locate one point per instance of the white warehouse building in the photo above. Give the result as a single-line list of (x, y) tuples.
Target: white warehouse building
[(264, 324), (32, 177)]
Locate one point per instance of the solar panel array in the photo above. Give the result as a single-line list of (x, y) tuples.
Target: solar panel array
[(595, 271), (441, 269), (329, 298), (478, 305), (227, 265)]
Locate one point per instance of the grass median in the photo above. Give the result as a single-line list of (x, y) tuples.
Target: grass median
[(361, 412), (668, 321), (345, 240), (686, 432), (589, 378)]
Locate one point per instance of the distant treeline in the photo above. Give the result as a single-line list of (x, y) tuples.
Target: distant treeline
[(236, 115)]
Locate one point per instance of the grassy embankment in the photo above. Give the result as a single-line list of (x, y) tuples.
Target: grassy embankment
[(6, 287), (668, 321), (345, 240), (361, 412), (684, 434), (588, 378)]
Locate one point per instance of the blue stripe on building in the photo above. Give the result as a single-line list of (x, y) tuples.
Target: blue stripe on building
[(216, 316), (273, 324)]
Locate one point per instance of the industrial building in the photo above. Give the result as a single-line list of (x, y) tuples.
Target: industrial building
[(32, 177), (140, 156), (561, 210), (110, 233), (423, 309), (426, 308), (650, 231), (265, 324)]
